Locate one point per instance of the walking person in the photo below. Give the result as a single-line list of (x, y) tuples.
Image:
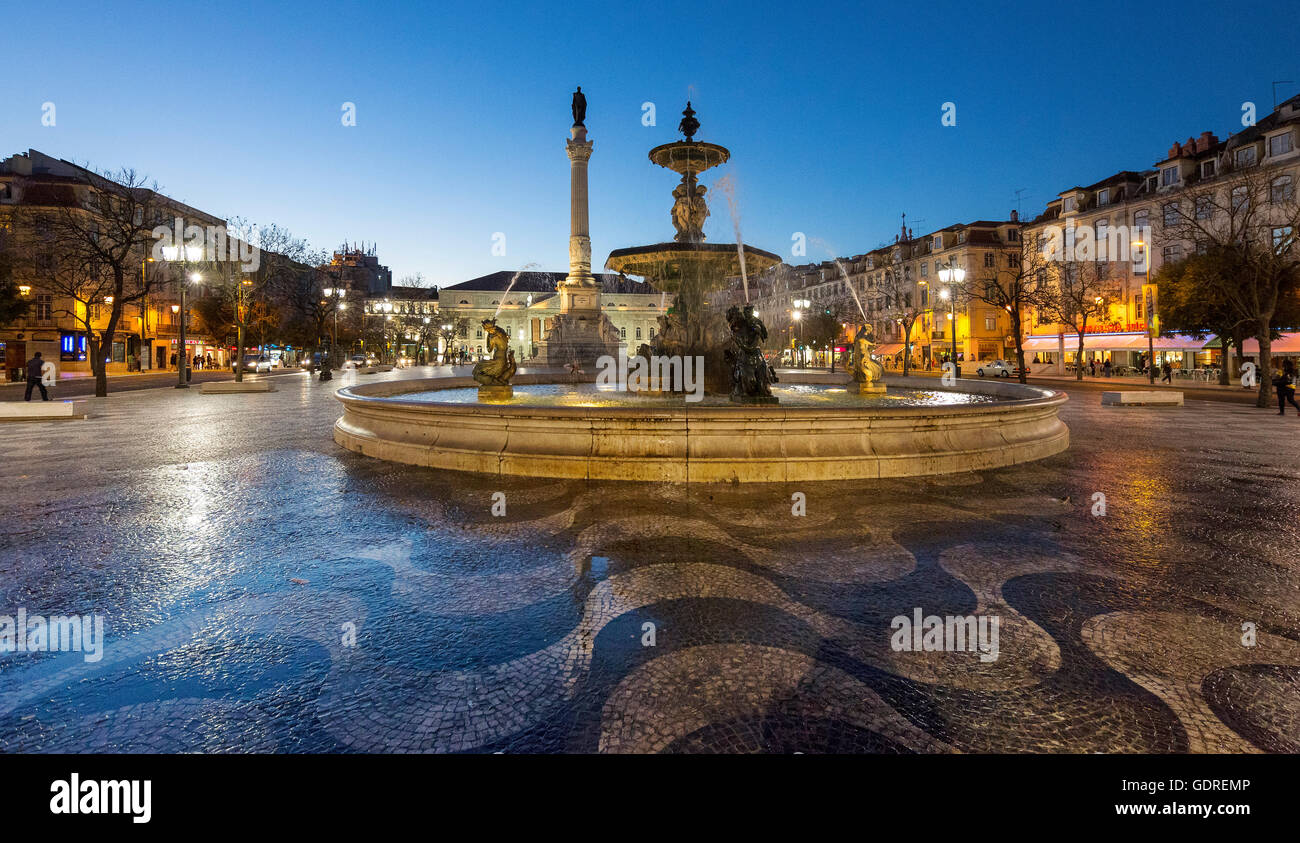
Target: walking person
[(1168, 373), (34, 378), (1285, 384)]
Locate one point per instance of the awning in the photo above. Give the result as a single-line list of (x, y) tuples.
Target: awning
[(1114, 342), (1285, 344), (889, 348)]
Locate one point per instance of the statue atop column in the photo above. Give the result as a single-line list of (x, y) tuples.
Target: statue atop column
[(579, 108)]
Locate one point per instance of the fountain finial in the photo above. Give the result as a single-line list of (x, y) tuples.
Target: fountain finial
[(689, 125)]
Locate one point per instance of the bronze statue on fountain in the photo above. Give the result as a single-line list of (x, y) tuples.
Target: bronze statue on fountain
[(494, 374), (867, 373), (751, 375)]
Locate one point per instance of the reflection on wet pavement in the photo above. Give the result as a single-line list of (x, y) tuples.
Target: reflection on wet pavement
[(232, 547)]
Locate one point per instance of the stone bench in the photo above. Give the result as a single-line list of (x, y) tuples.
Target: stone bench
[(1142, 398), (223, 387), (43, 410)]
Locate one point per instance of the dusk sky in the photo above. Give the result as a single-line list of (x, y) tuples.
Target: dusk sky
[(831, 111)]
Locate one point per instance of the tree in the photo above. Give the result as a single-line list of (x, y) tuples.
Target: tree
[(899, 301), (91, 250), (13, 304), (1247, 218), (1193, 301), (1073, 292), (449, 329), (1015, 289)]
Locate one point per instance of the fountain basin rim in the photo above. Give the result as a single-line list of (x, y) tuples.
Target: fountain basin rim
[(382, 393)]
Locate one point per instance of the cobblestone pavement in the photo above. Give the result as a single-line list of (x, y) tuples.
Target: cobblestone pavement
[(229, 545)]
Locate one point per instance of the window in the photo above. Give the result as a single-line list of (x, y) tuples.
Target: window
[(652, 332), (1171, 213), (1068, 204), (622, 333), (478, 333), (1141, 219), (1103, 227), (1244, 157), (1169, 254), (924, 267), (1281, 190), (938, 242), (638, 332), (1282, 238), (1279, 144), (989, 259), (1013, 235), (44, 306), (1240, 198), (1203, 207), (1169, 176), (1207, 169), (990, 323), (1103, 196), (1011, 261)]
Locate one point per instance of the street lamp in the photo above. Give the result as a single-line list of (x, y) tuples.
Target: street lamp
[(335, 293), (952, 275), (1147, 308), (182, 254)]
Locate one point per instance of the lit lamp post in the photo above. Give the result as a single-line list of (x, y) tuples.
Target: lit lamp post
[(800, 305), (1148, 307), (952, 275), (335, 293), (191, 253)]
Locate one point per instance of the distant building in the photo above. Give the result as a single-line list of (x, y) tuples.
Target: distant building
[(525, 308), (358, 270), (148, 333)]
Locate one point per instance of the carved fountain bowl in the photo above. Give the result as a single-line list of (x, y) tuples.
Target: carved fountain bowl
[(693, 156), (704, 266)]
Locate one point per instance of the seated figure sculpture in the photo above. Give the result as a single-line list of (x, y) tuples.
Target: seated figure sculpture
[(500, 367), (866, 372), (751, 376)]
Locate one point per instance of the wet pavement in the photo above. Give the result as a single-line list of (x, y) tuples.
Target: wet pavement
[(236, 552)]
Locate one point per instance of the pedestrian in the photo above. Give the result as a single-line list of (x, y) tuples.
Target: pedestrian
[(173, 359), (1106, 369), (1285, 383), (1168, 373), (34, 378)]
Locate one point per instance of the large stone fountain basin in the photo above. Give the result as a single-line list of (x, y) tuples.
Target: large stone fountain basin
[(701, 444), (707, 265)]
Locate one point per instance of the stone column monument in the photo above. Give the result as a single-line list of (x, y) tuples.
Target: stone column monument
[(580, 333), (579, 291)]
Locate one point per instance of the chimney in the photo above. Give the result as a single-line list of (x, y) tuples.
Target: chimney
[(1173, 150), (1015, 216), (1205, 141)]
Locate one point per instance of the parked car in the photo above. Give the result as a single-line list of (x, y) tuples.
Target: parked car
[(358, 361), (254, 363), (996, 369)]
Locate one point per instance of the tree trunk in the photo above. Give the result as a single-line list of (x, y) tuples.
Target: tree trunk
[(1224, 374), (1078, 359), (907, 352), (1265, 370)]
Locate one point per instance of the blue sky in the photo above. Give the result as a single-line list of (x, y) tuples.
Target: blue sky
[(831, 111)]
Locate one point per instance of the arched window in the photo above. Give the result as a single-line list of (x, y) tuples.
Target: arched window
[(1281, 190)]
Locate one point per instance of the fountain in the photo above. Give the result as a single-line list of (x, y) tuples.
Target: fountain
[(546, 424), (688, 267)]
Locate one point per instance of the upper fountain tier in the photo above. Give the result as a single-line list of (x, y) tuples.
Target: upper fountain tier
[(688, 265)]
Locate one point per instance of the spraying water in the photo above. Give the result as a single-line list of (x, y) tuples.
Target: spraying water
[(511, 286), (843, 274), (728, 186)]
